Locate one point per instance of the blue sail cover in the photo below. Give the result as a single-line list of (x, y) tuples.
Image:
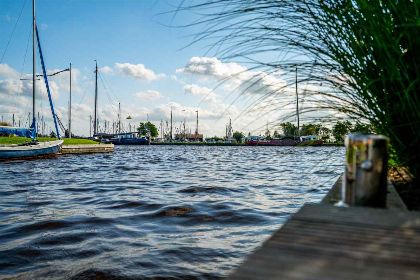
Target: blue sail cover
[(18, 131)]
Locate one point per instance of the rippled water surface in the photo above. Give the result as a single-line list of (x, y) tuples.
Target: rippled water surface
[(151, 212)]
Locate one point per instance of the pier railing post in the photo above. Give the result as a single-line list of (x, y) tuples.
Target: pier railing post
[(365, 176)]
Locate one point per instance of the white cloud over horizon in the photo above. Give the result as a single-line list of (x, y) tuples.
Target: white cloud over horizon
[(204, 93), (148, 95), (137, 71)]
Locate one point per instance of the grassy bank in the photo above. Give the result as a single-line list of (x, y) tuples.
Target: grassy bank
[(22, 140)]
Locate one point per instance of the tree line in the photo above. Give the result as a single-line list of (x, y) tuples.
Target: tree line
[(335, 134)]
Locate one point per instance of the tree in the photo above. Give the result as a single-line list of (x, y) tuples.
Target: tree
[(276, 134), (53, 135), (289, 129), (325, 133), (340, 129), (310, 129), (148, 129), (4, 124), (362, 128), (238, 136)]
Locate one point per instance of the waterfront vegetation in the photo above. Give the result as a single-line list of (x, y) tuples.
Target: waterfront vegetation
[(358, 57), (148, 128), (66, 141)]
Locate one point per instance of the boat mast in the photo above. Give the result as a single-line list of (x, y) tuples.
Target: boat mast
[(171, 125), (119, 117), (70, 105), (297, 104), (33, 62), (96, 100), (196, 128)]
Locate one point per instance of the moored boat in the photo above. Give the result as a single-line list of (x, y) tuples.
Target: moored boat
[(130, 138), (261, 141), (30, 150), (34, 148)]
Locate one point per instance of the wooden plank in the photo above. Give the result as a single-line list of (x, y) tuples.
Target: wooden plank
[(87, 148), (393, 199), (326, 242), (334, 194)]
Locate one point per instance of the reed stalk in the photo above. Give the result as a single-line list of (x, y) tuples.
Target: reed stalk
[(361, 57)]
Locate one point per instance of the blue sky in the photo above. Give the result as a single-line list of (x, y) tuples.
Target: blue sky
[(146, 64)]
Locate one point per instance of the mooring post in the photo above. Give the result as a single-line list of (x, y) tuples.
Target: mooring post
[(365, 176)]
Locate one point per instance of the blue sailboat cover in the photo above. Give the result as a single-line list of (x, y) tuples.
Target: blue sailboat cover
[(18, 131)]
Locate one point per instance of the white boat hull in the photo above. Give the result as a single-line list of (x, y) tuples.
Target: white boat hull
[(30, 151)]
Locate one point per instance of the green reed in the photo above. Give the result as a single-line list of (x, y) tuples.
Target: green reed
[(361, 57)]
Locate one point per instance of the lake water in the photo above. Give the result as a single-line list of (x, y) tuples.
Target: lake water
[(153, 212)]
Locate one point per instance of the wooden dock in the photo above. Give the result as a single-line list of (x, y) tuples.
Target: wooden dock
[(322, 241), (87, 149)]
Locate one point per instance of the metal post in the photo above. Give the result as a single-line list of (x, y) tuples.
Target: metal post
[(365, 177), (297, 104), (119, 117), (161, 129), (95, 126), (196, 128), (171, 126), (90, 125), (70, 106), (33, 60)]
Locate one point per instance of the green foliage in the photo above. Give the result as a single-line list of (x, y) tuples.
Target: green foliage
[(238, 136), (310, 129), (53, 135), (6, 140), (4, 124), (325, 134), (276, 134), (340, 129), (214, 139), (289, 129), (362, 128), (148, 129), (363, 52)]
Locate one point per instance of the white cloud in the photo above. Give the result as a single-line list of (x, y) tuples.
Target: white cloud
[(203, 92), (237, 77), (137, 71), (8, 72), (105, 70), (211, 66), (148, 95)]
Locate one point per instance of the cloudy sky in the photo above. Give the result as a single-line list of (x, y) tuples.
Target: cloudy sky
[(146, 63)]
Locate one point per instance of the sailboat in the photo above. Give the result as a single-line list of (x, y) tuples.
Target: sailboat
[(32, 149)]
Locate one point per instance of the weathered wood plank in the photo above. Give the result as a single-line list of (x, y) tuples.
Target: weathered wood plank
[(326, 242), (87, 148), (393, 200)]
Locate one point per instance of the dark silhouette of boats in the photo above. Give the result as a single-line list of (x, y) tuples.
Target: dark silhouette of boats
[(129, 138)]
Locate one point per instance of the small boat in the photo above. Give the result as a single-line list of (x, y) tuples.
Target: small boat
[(32, 149), (261, 141), (130, 138)]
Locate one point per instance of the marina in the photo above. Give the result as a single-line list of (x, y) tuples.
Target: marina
[(204, 140)]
